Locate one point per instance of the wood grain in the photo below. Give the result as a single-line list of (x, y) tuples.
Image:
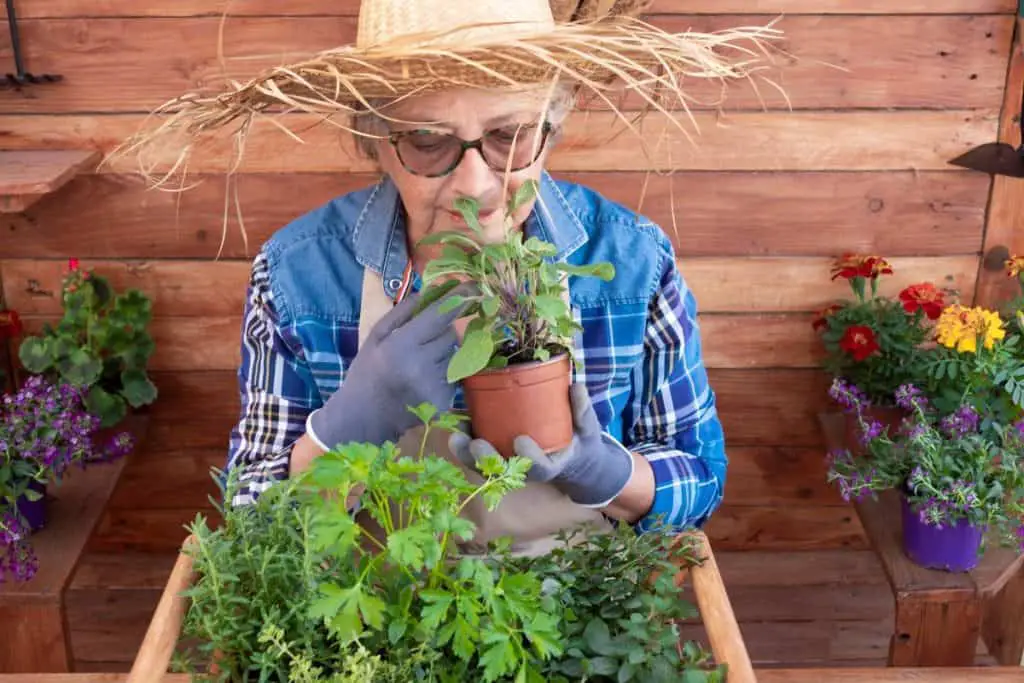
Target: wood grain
[(706, 214), (133, 65), (730, 341), (744, 141), (184, 8), (771, 407), (1004, 235), (722, 285), (785, 528)]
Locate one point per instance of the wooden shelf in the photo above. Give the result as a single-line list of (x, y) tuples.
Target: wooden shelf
[(26, 176)]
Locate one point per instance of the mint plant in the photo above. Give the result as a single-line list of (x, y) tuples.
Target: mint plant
[(101, 344), (519, 313)]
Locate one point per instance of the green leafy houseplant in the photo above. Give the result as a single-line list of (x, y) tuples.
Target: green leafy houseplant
[(519, 314), (294, 587), (101, 343)]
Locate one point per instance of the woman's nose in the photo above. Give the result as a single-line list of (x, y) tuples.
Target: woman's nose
[(473, 177)]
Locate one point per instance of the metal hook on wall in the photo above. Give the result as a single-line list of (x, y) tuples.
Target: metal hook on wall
[(21, 77), (1000, 158)]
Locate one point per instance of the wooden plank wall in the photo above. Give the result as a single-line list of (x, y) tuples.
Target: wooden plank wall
[(883, 94)]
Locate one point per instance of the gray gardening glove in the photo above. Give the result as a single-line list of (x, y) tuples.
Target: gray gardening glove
[(402, 363), (592, 471)]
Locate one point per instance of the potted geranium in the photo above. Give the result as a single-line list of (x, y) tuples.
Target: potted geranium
[(294, 587), (45, 430), (956, 460), (872, 342), (517, 348), (102, 344)]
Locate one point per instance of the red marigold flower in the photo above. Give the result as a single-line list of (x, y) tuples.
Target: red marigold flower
[(821, 320), (855, 265), (924, 296), (10, 324), (859, 341)]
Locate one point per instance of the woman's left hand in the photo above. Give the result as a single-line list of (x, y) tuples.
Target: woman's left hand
[(593, 470)]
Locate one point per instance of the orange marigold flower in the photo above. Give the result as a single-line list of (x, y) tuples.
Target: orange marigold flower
[(821, 320), (857, 265), (859, 341), (924, 296), (1014, 266)]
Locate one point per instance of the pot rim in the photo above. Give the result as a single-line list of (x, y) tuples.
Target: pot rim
[(522, 367)]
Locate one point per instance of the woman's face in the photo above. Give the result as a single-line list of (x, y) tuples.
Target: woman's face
[(469, 114)]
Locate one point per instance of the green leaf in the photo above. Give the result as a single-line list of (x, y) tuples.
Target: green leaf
[(490, 306), (137, 388), (498, 658), (541, 354), (524, 193), (598, 638), (34, 354), (452, 237), (81, 367), (603, 270), (470, 210), (626, 672), (110, 408), (409, 546), (372, 609), (32, 495), (472, 356), (435, 611), (604, 666), (550, 307), (430, 294), (451, 303)]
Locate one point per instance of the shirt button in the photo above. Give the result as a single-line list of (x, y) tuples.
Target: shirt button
[(394, 283)]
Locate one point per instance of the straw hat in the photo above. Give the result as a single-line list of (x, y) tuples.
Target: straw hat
[(409, 47)]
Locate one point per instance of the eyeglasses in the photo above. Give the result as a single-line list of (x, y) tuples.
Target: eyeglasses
[(433, 154)]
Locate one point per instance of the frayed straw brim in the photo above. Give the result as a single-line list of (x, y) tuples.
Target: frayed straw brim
[(614, 54)]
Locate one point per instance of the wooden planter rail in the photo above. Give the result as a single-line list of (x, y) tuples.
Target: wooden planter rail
[(723, 632)]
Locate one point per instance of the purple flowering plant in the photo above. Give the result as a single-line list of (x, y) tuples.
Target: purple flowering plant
[(45, 430), (955, 465)]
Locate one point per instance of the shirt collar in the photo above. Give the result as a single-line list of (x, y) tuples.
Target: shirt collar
[(379, 233)]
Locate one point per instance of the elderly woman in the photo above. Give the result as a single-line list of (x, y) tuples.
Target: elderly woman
[(331, 352)]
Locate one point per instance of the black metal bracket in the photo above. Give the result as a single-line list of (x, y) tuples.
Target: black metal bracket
[(21, 77)]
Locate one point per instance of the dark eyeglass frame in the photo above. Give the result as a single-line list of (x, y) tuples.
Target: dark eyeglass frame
[(478, 144)]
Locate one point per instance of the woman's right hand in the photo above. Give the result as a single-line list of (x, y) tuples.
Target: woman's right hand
[(402, 363)]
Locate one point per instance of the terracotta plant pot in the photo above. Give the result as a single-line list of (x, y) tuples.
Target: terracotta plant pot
[(529, 399)]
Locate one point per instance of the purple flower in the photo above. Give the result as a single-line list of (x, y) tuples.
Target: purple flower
[(871, 432), (961, 423), (909, 397), (48, 426), (847, 395)]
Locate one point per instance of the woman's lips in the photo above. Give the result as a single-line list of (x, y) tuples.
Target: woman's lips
[(458, 220)]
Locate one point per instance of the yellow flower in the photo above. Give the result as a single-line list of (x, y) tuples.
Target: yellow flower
[(1014, 266), (961, 327)]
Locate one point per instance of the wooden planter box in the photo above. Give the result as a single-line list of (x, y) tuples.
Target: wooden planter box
[(723, 632)]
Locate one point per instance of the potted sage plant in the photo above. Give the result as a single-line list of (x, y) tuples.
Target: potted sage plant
[(517, 349)]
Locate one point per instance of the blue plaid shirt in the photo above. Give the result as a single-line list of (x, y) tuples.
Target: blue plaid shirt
[(640, 345)]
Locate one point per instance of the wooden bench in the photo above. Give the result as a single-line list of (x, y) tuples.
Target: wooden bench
[(35, 637), (942, 617)]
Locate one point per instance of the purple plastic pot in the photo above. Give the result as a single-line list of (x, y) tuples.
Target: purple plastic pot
[(951, 548), (34, 511)]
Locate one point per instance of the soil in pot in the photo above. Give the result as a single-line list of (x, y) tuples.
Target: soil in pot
[(952, 548), (530, 399)]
